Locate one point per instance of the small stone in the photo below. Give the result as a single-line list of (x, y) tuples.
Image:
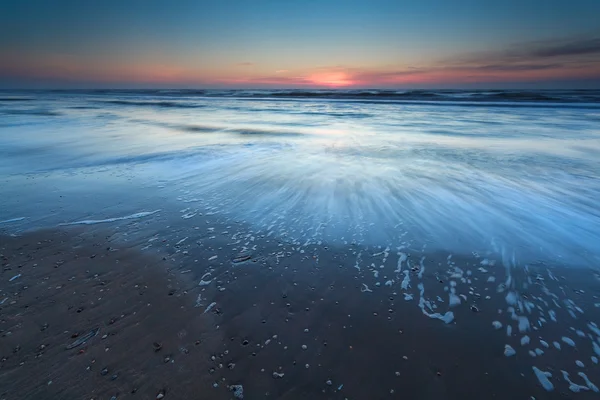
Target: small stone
[(397, 373), (304, 347), (328, 382)]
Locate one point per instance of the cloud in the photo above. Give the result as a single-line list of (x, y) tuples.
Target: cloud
[(517, 67), (578, 49), (244, 64), (281, 71), (568, 48)]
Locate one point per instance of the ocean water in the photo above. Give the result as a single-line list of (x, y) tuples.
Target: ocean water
[(511, 173)]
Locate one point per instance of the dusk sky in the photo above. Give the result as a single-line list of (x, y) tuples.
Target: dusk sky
[(300, 44)]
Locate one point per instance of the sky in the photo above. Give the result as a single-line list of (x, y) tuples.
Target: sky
[(300, 44)]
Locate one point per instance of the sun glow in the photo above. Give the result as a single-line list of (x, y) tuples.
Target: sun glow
[(332, 79)]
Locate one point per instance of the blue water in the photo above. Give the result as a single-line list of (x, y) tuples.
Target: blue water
[(506, 172)]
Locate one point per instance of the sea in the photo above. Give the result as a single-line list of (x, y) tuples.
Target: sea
[(511, 172)]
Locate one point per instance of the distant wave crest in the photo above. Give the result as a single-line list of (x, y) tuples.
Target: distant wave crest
[(165, 104)]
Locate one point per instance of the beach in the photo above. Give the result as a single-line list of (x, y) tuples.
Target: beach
[(87, 317), (293, 246)]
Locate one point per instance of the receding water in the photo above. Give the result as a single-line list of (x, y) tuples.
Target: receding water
[(502, 172)]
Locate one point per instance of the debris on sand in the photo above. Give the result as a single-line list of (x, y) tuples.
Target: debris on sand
[(83, 339), (278, 375), (14, 277), (240, 259)]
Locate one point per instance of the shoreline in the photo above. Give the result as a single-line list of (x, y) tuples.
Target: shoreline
[(254, 310)]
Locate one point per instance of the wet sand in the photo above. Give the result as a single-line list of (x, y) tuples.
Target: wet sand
[(283, 322), (69, 285)]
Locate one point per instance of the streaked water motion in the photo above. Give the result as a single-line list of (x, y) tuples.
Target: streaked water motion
[(508, 172)]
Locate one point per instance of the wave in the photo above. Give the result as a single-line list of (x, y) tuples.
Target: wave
[(41, 113), (236, 131), (175, 98), (149, 103), (524, 96), (11, 99), (574, 96)]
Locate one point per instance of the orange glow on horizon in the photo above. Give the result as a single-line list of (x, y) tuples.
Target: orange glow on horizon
[(331, 79)]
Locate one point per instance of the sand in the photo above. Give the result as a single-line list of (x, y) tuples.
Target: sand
[(70, 285), (194, 318)]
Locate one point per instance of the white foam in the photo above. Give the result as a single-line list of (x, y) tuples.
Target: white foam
[(454, 300), (579, 364), (568, 341), (573, 387), (594, 328), (210, 307), (509, 351), (544, 343), (525, 340), (511, 298), (406, 281), (543, 378), (198, 300), (447, 317), (401, 258), (588, 382), (7, 221), (365, 288), (508, 330), (594, 359), (497, 324), (14, 277), (523, 324), (101, 221), (420, 275), (557, 345)]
